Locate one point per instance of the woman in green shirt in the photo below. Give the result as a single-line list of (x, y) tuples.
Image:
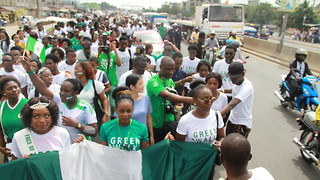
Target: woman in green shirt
[(124, 132), (10, 119)]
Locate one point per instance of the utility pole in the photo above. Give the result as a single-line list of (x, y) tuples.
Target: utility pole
[(283, 30)]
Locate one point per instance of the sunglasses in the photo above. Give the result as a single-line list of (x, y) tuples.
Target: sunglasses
[(229, 53), (207, 101), (168, 49)]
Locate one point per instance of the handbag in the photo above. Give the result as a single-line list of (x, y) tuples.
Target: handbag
[(97, 107)]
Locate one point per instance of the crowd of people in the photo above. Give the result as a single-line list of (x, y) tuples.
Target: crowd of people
[(101, 83)]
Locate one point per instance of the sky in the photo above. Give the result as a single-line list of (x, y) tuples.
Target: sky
[(155, 3)]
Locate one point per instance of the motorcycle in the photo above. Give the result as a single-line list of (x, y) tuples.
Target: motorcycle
[(308, 100), (211, 55), (309, 142), (242, 61), (264, 36)]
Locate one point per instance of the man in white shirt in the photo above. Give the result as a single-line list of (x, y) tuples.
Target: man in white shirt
[(124, 56), (85, 32), (221, 67), (69, 64), (51, 62), (235, 156), (58, 31), (138, 67), (54, 43), (240, 119), (8, 70), (85, 53), (190, 63)]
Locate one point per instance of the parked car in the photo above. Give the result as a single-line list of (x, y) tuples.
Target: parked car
[(151, 37), (31, 21), (251, 31)]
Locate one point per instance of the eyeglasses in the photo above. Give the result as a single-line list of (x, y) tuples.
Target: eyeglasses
[(229, 53), (168, 49), (207, 101)]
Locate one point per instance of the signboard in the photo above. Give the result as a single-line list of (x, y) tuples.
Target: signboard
[(288, 5)]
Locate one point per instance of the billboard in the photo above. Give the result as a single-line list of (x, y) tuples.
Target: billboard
[(288, 5)]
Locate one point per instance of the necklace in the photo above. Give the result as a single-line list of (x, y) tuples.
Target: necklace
[(124, 146)]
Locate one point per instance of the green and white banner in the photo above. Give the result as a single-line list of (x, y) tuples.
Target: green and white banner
[(91, 161)]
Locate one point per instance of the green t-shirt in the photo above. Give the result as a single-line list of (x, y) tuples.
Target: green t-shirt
[(128, 138), (10, 118), (76, 44), (155, 86), (111, 71), (47, 47), (162, 32)]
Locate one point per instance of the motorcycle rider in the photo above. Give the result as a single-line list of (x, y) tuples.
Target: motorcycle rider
[(298, 69), (211, 43), (263, 31)]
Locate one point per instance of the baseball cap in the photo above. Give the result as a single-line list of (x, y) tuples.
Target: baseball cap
[(235, 69), (139, 50)]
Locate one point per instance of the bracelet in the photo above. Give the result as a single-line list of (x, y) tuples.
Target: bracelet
[(106, 113), (31, 72)]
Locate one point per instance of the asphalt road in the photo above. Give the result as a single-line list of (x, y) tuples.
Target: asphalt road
[(273, 126)]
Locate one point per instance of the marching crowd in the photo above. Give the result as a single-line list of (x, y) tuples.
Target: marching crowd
[(100, 82)]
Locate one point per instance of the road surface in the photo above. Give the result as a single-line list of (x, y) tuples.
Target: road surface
[(273, 126)]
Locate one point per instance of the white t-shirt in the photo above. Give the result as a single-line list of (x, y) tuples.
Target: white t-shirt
[(200, 130), (48, 51), (242, 113), (82, 112), (190, 66), (95, 46), (58, 32), (17, 74), (68, 69), (82, 57), (85, 33), (219, 103), (53, 88), (152, 60), (87, 93), (59, 78), (221, 67), (19, 67), (56, 139), (125, 62), (195, 76), (146, 76), (259, 173), (158, 63)]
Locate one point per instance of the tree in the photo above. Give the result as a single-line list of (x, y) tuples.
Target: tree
[(95, 6), (263, 13), (302, 15), (106, 6)]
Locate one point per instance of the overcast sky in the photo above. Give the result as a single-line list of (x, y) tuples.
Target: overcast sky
[(157, 3)]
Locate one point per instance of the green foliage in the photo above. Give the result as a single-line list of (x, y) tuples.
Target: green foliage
[(303, 10), (106, 6), (263, 13), (169, 9), (95, 6)]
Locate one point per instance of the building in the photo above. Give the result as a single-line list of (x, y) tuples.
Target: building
[(36, 8)]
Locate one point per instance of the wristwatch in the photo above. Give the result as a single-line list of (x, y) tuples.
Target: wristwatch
[(79, 125)]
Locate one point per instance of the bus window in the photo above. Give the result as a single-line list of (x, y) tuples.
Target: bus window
[(205, 13), (225, 14)]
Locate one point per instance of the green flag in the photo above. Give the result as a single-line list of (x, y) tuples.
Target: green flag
[(37, 48)]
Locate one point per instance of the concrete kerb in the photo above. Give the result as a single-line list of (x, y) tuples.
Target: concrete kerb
[(268, 50)]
